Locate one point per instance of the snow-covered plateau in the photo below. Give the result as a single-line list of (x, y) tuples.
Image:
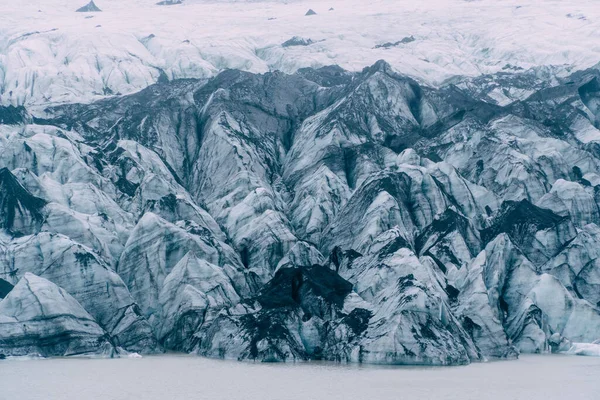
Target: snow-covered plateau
[(50, 53), (295, 197)]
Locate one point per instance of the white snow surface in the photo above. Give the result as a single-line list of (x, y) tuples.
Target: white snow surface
[(50, 54)]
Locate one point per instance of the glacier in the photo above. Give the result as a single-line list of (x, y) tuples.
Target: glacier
[(326, 214), (187, 180)]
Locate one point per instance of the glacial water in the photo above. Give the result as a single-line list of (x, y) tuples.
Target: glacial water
[(171, 377)]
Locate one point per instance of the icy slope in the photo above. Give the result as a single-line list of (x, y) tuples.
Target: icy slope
[(38, 317), (357, 217), (50, 53)]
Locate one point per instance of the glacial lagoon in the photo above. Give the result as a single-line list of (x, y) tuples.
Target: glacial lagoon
[(174, 377)]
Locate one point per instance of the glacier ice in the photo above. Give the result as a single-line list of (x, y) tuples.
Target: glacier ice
[(326, 214)]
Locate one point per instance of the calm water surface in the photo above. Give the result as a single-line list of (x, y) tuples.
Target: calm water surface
[(170, 377)]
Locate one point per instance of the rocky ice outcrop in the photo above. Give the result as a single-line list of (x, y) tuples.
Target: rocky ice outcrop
[(169, 2), (39, 318), (89, 7), (356, 217), (478, 289), (573, 199), (20, 211), (411, 320), (514, 157), (287, 321), (297, 41), (313, 313), (85, 276), (5, 288), (193, 290), (539, 232), (165, 265), (576, 266), (11, 115)]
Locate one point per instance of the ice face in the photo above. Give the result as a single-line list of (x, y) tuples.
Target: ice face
[(326, 214)]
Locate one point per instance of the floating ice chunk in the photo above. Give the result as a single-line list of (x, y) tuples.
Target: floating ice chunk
[(584, 349)]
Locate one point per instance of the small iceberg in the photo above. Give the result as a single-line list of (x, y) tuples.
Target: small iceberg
[(585, 349)]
